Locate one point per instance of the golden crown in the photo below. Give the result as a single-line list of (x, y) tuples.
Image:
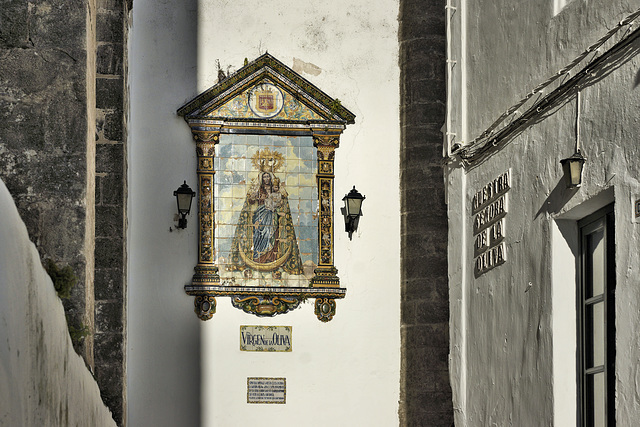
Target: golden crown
[(267, 160)]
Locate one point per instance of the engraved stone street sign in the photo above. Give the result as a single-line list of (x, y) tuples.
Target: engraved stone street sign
[(266, 390), (265, 338), (489, 209)]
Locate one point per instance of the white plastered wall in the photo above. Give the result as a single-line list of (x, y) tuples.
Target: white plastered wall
[(182, 371), (43, 382)]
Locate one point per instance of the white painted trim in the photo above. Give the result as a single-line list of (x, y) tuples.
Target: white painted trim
[(564, 247)]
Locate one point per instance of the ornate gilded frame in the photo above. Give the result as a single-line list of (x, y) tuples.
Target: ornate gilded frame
[(264, 85)]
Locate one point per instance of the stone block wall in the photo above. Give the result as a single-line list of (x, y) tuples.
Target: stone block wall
[(425, 393), (63, 107), (45, 49), (110, 204)]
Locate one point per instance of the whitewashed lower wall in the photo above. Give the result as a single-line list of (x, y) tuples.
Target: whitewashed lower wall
[(43, 382)]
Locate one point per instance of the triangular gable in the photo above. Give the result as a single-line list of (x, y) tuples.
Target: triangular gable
[(265, 100), (266, 90)]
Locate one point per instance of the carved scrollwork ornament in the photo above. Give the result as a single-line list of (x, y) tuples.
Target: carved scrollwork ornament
[(325, 309), (205, 164), (206, 149), (326, 153), (326, 167), (205, 306), (265, 305)]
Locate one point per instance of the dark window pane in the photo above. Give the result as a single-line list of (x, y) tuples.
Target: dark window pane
[(594, 334), (595, 263)]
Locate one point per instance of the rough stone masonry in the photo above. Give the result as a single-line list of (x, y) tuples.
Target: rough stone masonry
[(425, 390), (63, 105)]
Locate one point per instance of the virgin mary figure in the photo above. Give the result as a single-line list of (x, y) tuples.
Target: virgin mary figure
[(265, 238)]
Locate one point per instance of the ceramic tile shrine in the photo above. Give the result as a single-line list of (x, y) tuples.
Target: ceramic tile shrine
[(266, 140)]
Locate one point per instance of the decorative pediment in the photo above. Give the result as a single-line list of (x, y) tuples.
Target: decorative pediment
[(263, 91)]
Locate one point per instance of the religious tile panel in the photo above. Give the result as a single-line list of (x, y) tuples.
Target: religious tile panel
[(266, 214), (265, 227)]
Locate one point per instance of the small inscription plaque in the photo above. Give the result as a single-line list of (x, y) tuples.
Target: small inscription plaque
[(265, 338), (489, 209), (266, 390)]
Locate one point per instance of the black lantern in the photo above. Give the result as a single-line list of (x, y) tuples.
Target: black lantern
[(572, 168), (352, 210), (184, 194)]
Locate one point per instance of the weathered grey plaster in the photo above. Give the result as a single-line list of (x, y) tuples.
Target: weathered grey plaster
[(509, 360), (521, 44)]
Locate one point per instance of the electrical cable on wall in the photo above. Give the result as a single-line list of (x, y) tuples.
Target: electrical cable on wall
[(491, 137)]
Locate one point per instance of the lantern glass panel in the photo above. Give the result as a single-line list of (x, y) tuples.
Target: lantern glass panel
[(572, 169), (184, 202), (353, 206), (576, 172)]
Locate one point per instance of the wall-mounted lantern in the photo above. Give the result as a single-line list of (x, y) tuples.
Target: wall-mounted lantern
[(352, 210), (184, 195), (572, 168)]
